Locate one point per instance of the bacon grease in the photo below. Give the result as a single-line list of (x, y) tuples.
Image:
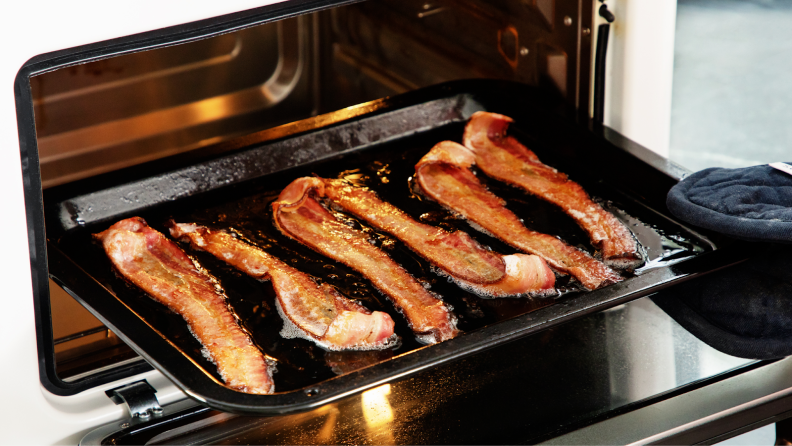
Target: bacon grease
[(314, 312), (453, 254), (299, 216), (444, 175), (156, 265), (503, 157)]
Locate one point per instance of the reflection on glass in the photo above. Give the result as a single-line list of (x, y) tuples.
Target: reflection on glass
[(649, 353), (376, 407), (325, 434), (378, 414)]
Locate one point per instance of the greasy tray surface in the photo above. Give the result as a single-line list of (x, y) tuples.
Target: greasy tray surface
[(307, 375)]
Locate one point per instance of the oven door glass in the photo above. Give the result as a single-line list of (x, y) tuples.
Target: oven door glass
[(527, 391)]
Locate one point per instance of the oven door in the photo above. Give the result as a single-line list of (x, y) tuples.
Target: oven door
[(629, 375)]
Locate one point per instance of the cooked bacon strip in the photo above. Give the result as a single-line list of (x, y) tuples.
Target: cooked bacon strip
[(300, 216), (156, 265), (443, 174), (503, 157), (319, 313), (456, 254)]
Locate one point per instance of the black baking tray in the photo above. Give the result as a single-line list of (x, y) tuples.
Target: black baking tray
[(230, 185)]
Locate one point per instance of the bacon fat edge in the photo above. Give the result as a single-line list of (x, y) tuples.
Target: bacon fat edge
[(299, 216), (444, 175), (156, 265), (320, 313), (504, 158), (456, 254)]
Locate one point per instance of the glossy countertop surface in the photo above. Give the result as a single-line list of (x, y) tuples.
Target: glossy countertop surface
[(532, 389)]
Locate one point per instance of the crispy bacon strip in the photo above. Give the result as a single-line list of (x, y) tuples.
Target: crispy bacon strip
[(503, 157), (456, 254), (319, 313), (156, 265), (299, 216), (443, 174)]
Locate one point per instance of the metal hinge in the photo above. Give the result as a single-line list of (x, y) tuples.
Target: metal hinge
[(139, 397)]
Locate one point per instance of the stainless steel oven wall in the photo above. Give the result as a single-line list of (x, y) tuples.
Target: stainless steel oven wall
[(110, 114), (106, 115), (380, 48)]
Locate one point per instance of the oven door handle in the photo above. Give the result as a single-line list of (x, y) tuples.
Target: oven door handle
[(599, 64)]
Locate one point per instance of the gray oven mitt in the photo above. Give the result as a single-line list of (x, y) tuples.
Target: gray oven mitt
[(744, 310), (752, 203)]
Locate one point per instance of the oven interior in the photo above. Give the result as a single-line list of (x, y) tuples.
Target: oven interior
[(97, 120)]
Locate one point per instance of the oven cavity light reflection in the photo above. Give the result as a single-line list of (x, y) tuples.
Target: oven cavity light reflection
[(327, 431), (378, 415), (377, 410)]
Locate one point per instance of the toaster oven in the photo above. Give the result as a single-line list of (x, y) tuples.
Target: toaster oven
[(196, 113)]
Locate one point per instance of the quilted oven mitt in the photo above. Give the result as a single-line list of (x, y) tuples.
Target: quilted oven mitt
[(752, 203), (744, 310)]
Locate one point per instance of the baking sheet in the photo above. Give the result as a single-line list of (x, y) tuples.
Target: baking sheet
[(376, 145)]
